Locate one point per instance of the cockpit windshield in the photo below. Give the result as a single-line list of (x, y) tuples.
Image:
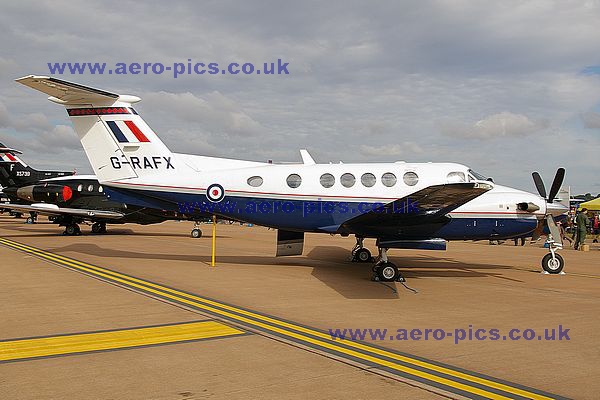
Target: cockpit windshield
[(476, 176)]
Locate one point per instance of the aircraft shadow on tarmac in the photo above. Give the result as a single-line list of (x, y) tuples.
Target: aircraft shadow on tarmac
[(54, 230), (330, 265), (412, 267)]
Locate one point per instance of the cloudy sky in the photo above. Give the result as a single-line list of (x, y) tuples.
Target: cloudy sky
[(504, 87)]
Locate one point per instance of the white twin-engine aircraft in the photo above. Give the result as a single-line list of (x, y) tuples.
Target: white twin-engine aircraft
[(401, 205)]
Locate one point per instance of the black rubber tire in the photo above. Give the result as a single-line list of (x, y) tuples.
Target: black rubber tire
[(363, 255), (71, 230), (196, 233), (387, 272), (551, 266), (29, 220), (96, 228)]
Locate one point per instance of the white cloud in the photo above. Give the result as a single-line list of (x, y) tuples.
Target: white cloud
[(591, 120), (366, 83), (215, 112), (398, 150), (4, 117), (494, 126)]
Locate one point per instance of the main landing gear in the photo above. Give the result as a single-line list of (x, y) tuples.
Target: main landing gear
[(360, 253), (384, 270), (99, 227), (72, 229), (196, 232), (32, 219)]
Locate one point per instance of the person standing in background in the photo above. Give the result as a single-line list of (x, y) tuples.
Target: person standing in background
[(582, 221), (596, 227)]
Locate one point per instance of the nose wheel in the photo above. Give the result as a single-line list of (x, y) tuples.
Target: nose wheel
[(553, 265)]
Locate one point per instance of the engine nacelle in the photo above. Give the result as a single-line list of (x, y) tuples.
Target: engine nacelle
[(529, 207), (45, 193)]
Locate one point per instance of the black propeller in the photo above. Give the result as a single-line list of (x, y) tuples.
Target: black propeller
[(549, 219), (556, 184)]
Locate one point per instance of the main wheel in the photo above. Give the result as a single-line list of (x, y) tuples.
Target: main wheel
[(29, 220), (553, 265), (72, 230), (387, 272), (96, 228), (196, 233), (362, 255)]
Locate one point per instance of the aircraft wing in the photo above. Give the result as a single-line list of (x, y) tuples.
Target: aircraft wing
[(49, 209), (67, 92), (428, 205)]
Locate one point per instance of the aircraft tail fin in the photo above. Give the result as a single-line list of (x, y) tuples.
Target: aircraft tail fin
[(117, 141), (8, 155), (15, 173)]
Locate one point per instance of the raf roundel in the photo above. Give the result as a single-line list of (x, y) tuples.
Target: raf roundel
[(215, 193)]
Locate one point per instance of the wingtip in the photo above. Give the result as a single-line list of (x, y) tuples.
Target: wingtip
[(28, 77)]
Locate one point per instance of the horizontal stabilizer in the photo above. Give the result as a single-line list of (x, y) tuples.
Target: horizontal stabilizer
[(67, 92), (4, 149)]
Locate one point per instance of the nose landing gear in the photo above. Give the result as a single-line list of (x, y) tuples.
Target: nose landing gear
[(553, 263)]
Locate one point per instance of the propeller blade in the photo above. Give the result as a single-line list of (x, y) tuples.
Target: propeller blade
[(539, 184), (554, 229), (556, 184)]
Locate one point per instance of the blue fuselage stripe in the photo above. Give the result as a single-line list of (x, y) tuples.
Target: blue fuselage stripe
[(262, 211)]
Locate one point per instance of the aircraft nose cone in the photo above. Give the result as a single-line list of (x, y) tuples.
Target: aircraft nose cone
[(25, 193), (556, 209)]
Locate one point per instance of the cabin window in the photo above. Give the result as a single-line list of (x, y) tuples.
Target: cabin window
[(90, 188), (255, 181), (368, 179), (80, 188), (100, 189), (294, 181), (388, 179), (410, 178), (347, 180), (327, 180), (456, 177)]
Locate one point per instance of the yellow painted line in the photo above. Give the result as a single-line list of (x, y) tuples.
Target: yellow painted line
[(19, 349), (281, 327)]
